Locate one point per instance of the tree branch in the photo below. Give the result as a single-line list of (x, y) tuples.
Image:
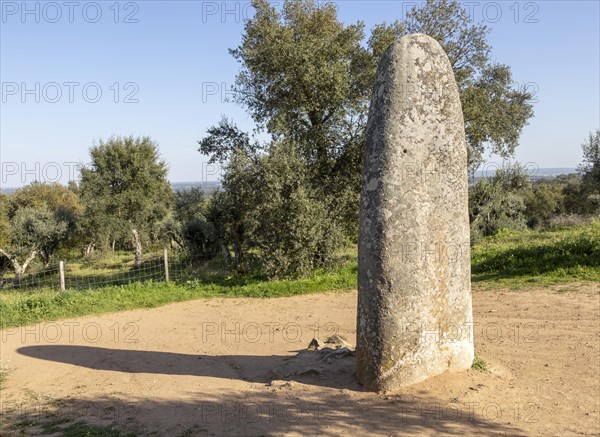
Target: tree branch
[(30, 258)]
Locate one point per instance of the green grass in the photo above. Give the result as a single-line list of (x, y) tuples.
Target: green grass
[(112, 269), (480, 364), (26, 307), (518, 259), (510, 259)]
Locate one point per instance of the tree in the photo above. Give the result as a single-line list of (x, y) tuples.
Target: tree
[(498, 202), (125, 187), (295, 233), (58, 199), (494, 112), (5, 264), (307, 78), (590, 167), (226, 139), (582, 193), (193, 229), (238, 202), (38, 200), (4, 220), (188, 203), (34, 231), (544, 201), (268, 203), (53, 196), (218, 213), (231, 209), (590, 171)]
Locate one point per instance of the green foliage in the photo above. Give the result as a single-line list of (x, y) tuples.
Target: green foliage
[(188, 203), (54, 198), (307, 78), (566, 221), (304, 74), (4, 221), (544, 201), (36, 229), (480, 364), (575, 196), (224, 140), (497, 202), (285, 221), (238, 203), (515, 259), (29, 307), (584, 194), (494, 112), (590, 167), (200, 236), (294, 233), (33, 231), (125, 189), (189, 225)]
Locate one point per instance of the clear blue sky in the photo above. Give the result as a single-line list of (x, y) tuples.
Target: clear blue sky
[(173, 57)]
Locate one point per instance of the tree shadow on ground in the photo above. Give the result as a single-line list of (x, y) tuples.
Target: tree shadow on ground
[(330, 403)]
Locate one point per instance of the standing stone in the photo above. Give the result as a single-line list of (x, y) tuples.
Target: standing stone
[(414, 285)]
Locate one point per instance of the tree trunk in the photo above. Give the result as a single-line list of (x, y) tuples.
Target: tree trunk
[(226, 254), (18, 268), (237, 250), (137, 243), (18, 279), (89, 249)]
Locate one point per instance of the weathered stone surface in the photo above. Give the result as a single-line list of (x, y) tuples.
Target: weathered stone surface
[(414, 289)]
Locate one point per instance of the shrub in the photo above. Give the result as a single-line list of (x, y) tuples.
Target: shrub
[(498, 202), (294, 233)]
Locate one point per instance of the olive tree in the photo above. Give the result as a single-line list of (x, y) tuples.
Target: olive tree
[(34, 231), (307, 77), (125, 188)]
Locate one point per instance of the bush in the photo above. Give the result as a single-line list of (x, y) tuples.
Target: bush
[(583, 194), (199, 237), (498, 202), (294, 233), (542, 203)]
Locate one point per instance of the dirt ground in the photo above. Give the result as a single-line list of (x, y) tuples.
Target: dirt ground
[(221, 367)]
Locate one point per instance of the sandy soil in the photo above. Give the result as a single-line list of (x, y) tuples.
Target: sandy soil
[(214, 367)]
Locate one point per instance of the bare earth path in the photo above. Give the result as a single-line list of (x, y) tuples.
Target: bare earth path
[(205, 367)]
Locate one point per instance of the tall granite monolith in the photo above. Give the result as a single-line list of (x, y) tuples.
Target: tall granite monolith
[(414, 286)]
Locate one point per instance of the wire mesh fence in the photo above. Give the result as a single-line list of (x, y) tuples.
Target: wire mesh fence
[(45, 277), (96, 273)]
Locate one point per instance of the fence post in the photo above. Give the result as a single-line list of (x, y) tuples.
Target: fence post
[(61, 273), (166, 259)]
